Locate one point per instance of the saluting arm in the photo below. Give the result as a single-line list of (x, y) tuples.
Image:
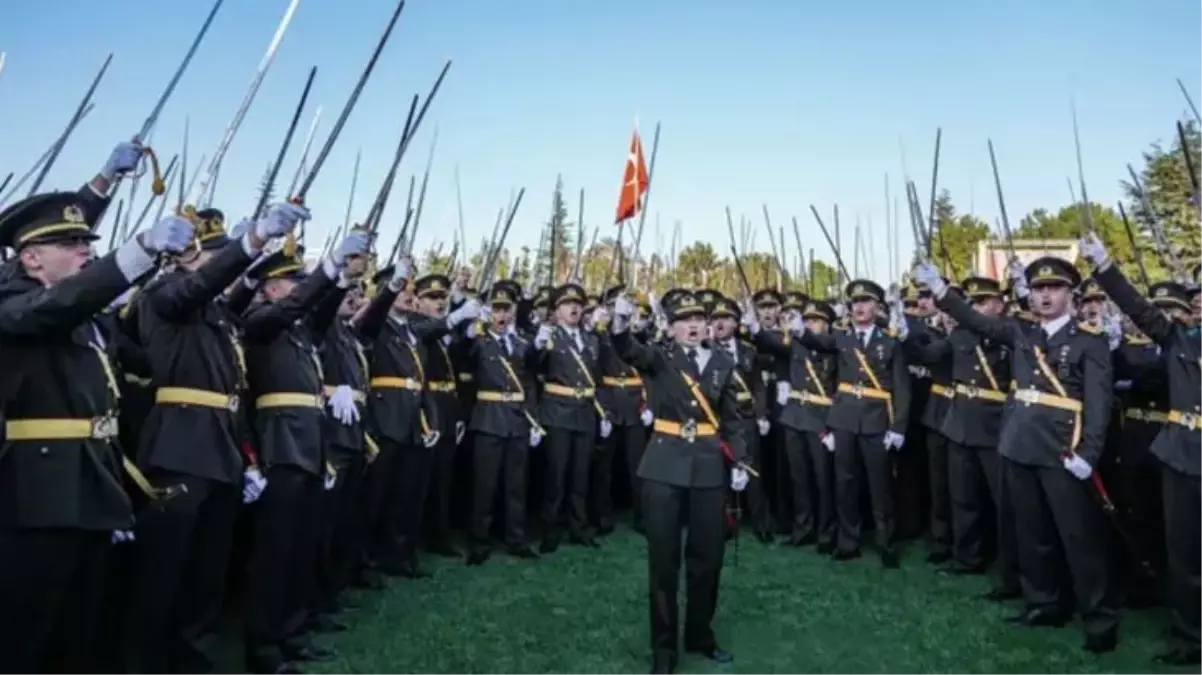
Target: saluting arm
[(819, 342), (1001, 329), (182, 295), (265, 322), (773, 342), (927, 351), (321, 319), (645, 358), (370, 320), (1145, 315)]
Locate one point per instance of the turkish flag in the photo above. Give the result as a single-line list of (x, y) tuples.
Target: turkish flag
[(634, 181)]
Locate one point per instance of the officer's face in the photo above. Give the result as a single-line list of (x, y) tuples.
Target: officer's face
[(990, 306), (52, 263), (432, 305), (926, 302), (403, 302), (1092, 309), (278, 289), (768, 314), (351, 302), (724, 327), (502, 316), (863, 311), (819, 326), (689, 331), (569, 313), (1051, 301)]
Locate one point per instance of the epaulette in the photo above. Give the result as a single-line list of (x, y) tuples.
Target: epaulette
[(915, 312), (747, 343), (891, 332), (1087, 328), (1026, 316), (1136, 340)]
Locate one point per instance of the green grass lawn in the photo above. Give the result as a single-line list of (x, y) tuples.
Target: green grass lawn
[(781, 610)]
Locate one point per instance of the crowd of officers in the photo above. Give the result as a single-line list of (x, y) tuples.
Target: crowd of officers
[(198, 418)]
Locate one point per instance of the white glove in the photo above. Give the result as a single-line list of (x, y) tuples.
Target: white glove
[(750, 321), (404, 270), (1078, 467), (485, 313), (623, 307), (782, 392), (241, 228), (446, 340), (460, 431), (253, 485), (894, 440), (764, 426), (431, 439), (607, 428), (356, 243), (1093, 250), (123, 159), (331, 480), (280, 219), (468, 311), (1114, 331), (600, 315), (738, 479), (172, 234), (926, 274), (342, 405), (797, 326), (122, 536), (647, 417), (639, 325), (840, 310), (535, 438), (828, 441), (543, 337), (1018, 279), (893, 295)]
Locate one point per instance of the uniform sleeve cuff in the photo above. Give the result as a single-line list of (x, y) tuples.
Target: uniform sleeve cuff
[(133, 260)]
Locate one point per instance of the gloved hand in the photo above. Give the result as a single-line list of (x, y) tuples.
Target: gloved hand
[(647, 417), (750, 321), (485, 313), (828, 441), (623, 307), (600, 316), (468, 311), (460, 432), (840, 310), (782, 392), (535, 438), (1093, 250), (342, 405), (172, 234), (123, 159), (253, 485), (354, 244), (797, 325), (122, 536), (280, 219), (764, 426), (404, 270), (926, 274), (543, 337), (1018, 278), (431, 439), (739, 479), (607, 428), (446, 340), (331, 479), (1114, 331), (241, 228), (894, 440), (1077, 466)]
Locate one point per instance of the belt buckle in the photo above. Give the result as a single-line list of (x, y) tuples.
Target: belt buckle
[(104, 427), (579, 392), (971, 391), (1190, 421), (688, 431), (234, 402), (857, 390)]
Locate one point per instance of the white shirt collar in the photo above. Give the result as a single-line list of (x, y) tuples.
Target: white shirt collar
[(1050, 327)]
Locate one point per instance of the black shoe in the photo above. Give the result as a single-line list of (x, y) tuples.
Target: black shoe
[(480, 557), (960, 570), (842, 555), (800, 540), (663, 664), (938, 557), (1181, 656), (1101, 643), (890, 560), (585, 540), (713, 653), (1040, 617), (524, 552), (548, 546), (1002, 594), (826, 547)]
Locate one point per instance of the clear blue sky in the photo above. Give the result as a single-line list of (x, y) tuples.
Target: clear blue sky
[(783, 103)]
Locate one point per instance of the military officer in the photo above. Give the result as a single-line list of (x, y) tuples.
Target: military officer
[(693, 452), (1053, 437)]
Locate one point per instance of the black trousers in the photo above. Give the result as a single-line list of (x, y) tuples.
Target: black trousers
[(397, 486), (177, 574), (759, 509), (910, 481), (850, 450), (1182, 528), (442, 477), (939, 525), (812, 484), (569, 457), (340, 535), (283, 556), (631, 439), (51, 591), (975, 486), (1134, 477), (497, 461), (1054, 511), (669, 509)]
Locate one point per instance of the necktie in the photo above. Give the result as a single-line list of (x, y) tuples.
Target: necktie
[(863, 337), (508, 345), (692, 354)]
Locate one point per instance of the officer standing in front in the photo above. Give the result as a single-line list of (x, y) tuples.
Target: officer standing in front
[(684, 473)]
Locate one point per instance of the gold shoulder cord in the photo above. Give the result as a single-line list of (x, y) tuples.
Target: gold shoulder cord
[(986, 369), (708, 410), (813, 373), (421, 376), (135, 474), (588, 376), (1078, 421), (876, 384), (517, 384)]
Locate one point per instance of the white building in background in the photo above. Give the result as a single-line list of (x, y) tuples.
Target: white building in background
[(993, 254)]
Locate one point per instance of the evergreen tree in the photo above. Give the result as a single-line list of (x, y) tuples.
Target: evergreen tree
[(564, 234)]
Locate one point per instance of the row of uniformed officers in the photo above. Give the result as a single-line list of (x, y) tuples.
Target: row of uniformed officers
[(240, 377)]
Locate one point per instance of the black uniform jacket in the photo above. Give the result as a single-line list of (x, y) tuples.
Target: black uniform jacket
[(861, 410), (1038, 432), (622, 392), (1177, 445), (344, 363), (282, 358), (195, 355), (980, 373), (671, 457), (570, 380), (505, 397), (811, 377), (57, 372)]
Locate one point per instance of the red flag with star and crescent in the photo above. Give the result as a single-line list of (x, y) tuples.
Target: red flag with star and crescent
[(634, 181)]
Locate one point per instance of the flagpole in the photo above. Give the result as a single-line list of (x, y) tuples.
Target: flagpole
[(647, 193)]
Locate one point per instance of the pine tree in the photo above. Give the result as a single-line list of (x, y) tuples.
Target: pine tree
[(564, 241)]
